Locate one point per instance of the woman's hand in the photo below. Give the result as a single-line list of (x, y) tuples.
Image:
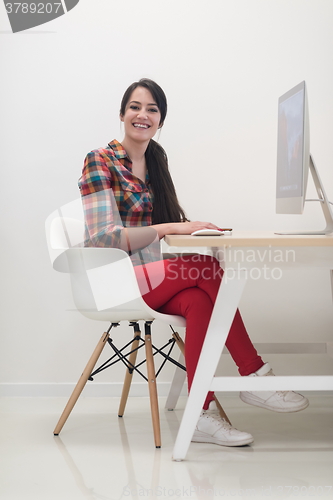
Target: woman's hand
[(182, 227), (190, 227)]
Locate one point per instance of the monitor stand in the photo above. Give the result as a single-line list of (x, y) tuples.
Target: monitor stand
[(325, 204)]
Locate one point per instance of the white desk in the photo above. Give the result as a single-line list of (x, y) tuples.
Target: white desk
[(241, 254)]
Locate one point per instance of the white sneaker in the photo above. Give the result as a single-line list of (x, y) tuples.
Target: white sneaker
[(212, 428), (280, 401)]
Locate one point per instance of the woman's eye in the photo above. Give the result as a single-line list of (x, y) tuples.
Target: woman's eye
[(136, 108)]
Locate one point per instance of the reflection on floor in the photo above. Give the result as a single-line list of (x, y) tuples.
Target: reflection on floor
[(101, 456)]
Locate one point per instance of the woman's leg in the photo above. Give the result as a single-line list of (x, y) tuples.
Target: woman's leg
[(194, 305), (189, 289)]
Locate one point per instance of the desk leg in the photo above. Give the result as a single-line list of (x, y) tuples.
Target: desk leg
[(225, 308)]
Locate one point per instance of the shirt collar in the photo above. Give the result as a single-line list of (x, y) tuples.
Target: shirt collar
[(120, 152), (118, 149)]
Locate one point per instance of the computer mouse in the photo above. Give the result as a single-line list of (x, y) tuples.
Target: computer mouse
[(207, 232)]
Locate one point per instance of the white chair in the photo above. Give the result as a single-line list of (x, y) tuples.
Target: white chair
[(105, 288)]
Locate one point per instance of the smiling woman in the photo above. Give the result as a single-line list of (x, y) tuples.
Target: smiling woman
[(133, 177), (142, 119), (143, 110)]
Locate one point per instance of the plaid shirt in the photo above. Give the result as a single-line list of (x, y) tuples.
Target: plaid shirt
[(114, 198)]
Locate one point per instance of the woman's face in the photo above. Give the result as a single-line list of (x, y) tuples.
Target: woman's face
[(142, 116)]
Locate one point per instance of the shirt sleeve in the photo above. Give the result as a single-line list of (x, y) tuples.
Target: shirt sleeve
[(103, 225)]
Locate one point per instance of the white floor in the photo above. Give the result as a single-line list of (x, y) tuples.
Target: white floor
[(100, 456)]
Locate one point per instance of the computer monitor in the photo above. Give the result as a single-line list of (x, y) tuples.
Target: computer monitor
[(293, 151), (294, 160)]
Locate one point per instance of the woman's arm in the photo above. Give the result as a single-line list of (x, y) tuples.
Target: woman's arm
[(103, 222), (181, 227), (102, 218), (136, 238)]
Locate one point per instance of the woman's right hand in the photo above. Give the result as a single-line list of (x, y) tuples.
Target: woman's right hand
[(182, 227), (190, 227)]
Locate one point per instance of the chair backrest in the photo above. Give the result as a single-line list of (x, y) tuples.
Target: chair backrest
[(103, 280), (104, 285), (62, 233), (66, 232)]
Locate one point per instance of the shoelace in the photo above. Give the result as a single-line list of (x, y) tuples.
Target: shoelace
[(216, 416), (271, 374)]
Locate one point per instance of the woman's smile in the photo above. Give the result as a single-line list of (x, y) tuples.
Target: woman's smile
[(141, 125)]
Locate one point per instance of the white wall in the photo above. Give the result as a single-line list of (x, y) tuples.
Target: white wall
[(223, 64)]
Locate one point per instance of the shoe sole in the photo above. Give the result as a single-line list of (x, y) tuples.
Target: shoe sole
[(212, 440), (254, 402)]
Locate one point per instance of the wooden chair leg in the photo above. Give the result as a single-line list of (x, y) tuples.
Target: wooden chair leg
[(152, 387), (181, 345), (179, 377), (81, 383), (221, 411), (176, 385), (129, 373), (179, 342)]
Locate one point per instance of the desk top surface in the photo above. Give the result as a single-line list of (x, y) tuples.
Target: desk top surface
[(249, 239)]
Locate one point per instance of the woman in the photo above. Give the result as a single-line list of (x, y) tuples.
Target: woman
[(136, 173)]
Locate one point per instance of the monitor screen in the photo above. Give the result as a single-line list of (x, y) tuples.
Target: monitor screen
[(293, 151)]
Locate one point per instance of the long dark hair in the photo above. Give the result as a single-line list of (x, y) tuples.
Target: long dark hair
[(166, 207)]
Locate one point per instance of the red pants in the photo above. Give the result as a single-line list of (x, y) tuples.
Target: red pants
[(189, 289)]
